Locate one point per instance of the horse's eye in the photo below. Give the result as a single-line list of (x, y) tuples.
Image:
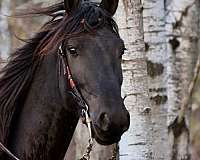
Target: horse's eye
[(122, 52), (73, 51)]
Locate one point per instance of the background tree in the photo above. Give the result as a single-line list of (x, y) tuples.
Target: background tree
[(182, 27), (137, 143), (170, 34), (155, 48)]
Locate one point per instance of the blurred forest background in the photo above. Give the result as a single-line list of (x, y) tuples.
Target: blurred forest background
[(10, 28)]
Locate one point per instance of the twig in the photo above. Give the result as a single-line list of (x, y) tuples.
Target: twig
[(190, 91)]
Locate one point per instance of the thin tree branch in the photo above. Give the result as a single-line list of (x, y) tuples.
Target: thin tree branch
[(190, 91)]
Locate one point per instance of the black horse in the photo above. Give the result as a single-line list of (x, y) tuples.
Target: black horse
[(38, 112)]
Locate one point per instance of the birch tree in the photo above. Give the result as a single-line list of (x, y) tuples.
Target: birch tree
[(136, 144), (182, 43), (171, 41), (155, 47)]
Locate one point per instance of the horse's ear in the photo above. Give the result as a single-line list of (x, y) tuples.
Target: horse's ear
[(70, 5), (110, 5)]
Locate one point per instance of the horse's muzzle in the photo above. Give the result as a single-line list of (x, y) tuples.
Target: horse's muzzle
[(109, 128)]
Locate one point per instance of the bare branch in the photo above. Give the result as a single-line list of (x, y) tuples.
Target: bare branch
[(188, 95)]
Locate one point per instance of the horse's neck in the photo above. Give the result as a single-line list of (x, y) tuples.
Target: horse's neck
[(44, 126)]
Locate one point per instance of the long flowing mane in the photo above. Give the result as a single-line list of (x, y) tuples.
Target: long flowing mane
[(17, 75)]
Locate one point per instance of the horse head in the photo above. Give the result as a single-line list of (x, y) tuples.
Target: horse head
[(94, 58)]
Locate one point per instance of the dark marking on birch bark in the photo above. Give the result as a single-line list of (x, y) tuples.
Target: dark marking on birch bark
[(178, 128), (154, 69), (141, 7), (185, 12), (177, 24), (165, 5), (139, 143), (174, 43), (158, 100), (157, 89), (146, 110), (146, 47)]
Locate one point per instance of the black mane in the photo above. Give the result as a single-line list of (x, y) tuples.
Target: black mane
[(17, 75)]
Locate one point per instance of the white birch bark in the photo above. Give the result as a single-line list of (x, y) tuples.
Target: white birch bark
[(182, 43), (5, 41), (136, 144), (155, 47)]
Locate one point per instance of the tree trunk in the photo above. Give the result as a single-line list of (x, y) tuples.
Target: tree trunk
[(5, 41), (170, 42), (182, 43), (155, 47), (136, 144)]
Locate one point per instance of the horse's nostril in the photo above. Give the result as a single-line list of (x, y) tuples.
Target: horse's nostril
[(104, 122)]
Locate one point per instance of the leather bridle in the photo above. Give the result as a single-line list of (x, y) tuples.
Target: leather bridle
[(74, 90), (84, 107), (79, 100)]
